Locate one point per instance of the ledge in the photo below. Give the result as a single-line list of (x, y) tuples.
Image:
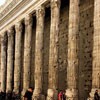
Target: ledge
[(18, 12)]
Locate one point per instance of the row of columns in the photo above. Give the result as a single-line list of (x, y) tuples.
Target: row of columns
[(7, 53)]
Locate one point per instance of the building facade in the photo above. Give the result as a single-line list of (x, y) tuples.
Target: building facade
[(50, 45)]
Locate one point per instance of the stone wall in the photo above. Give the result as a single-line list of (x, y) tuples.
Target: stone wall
[(63, 47), (46, 50), (86, 48), (33, 52)]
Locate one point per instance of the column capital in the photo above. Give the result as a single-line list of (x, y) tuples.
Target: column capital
[(28, 19), (18, 26), (55, 3), (4, 37), (10, 32), (40, 11)]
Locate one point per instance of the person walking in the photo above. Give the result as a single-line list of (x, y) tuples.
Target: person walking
[(96, 95), (63, 96), (28, 94), (60, 95)]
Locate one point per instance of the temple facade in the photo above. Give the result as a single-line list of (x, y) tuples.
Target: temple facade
[(50, 45)]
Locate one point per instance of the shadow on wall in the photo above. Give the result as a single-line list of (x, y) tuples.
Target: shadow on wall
[(63, 45)]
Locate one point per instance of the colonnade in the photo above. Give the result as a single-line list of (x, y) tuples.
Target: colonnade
[(9, 64)]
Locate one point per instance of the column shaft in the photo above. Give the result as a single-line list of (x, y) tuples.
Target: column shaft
[(72, 69), (96, 50), (53, 53), (18, 58), (27, 52), (3, 62), (39, 52), (10, 60)]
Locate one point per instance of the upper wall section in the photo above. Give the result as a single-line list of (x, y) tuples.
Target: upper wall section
[(16, 10), (3, 6)]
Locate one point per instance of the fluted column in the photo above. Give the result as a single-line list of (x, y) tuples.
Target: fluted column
[(72, 68), (18, 59), (40, 12), (53, 53), (96, 50), (3, 61), (27, 52), (10, 60)]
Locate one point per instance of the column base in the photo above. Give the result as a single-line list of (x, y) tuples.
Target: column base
[(92, 94), (22, 94), (37, 95), (52, 94), (71, 94)]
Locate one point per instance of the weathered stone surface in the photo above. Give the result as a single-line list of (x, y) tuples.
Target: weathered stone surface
[(3, 61), (85, 48), (40, 13), (72, 69), (53, 50), (27, 52), (10, 60), (88, 44), (96, 50), (18, 58)]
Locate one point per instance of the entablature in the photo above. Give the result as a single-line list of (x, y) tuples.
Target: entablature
[(18, 12)]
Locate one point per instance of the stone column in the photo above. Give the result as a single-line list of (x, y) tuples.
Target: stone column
[(40, 12), (72, 69), (96, 50), (53, 53), (27, 52), (18, 58), (10, 60), (3, 61)]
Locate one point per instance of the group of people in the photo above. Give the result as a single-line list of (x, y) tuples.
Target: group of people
[(29, 92), (61, 95), (14, 96)]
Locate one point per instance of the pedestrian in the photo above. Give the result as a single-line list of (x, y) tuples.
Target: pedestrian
[(64, 96), (2, 95), (28, 94), (15, 96), (96, 95), (60, 95), (9, 95)]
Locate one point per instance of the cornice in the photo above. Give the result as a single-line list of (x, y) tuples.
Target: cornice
[(8, 8), (18, 12), (5, 5)]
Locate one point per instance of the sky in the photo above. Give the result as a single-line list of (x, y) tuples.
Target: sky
[(2, 2)]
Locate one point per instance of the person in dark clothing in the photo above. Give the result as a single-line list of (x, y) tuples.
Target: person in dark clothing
[(96, 95), (28, 94), (15, 96), (64, 96), (9, 96), (2, 95)]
